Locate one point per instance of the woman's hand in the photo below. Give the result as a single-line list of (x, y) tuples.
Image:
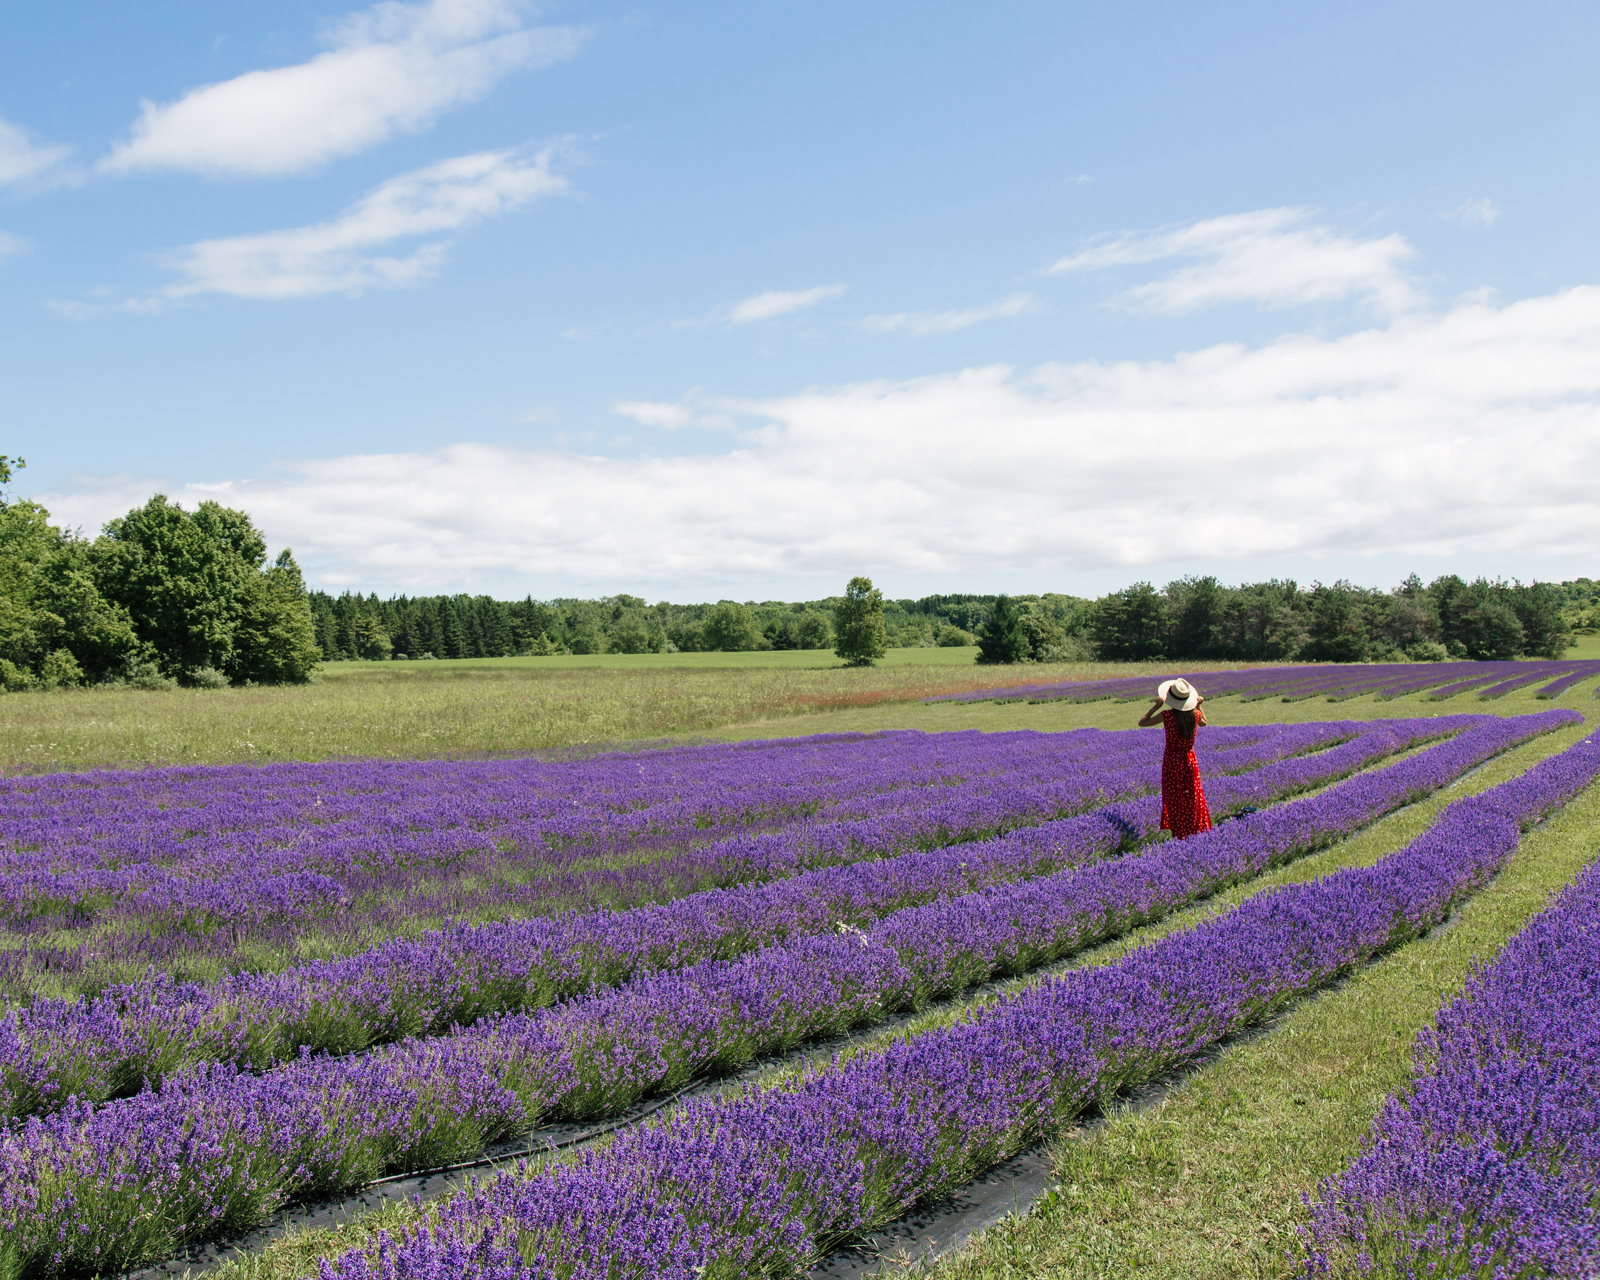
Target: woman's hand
[(1152, 717)]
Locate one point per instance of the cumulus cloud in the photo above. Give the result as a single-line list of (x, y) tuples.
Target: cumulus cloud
[(1476, 430), (778, 302), (1478, 214), (1275, 257), (925, 322), (392, 68), (344, 254), (22, 159)]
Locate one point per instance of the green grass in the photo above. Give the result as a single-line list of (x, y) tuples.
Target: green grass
[(1232, 1155), (514, 706), (506, 706)]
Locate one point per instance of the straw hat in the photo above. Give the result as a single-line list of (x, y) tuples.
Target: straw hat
[(1179, 695)]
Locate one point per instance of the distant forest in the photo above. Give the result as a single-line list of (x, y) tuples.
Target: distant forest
[(1192, 618)]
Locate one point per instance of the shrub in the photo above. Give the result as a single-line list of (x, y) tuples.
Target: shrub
[(953, 637), (145, 675), (206, 678), (15, 679), (60, 670)]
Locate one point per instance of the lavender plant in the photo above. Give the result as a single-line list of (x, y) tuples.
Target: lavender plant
[(763, 1182), (216, 1147), (135, 1034), (1487, 1166)]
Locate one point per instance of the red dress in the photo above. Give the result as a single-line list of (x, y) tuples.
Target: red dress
[(1183, 799)]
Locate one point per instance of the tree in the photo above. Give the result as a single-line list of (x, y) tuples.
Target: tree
[(1486, 626), (55, 626), (1338, 631), (631, 636), (1545, 633), (814, 631), (276, 641), (1003, 636), (860, 636), (1131, 625), (196, 590), (1198, 608), (730, 628)]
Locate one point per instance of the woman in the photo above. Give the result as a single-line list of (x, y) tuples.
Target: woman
[(1183, 799)]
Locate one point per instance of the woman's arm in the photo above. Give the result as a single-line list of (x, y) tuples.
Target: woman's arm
[(1199, 712), (1152, 716)]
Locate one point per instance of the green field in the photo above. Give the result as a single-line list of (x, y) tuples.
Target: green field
[(513, 706), (485, 707)]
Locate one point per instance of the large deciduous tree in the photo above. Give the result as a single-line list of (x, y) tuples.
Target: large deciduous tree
[(860, 637), (200, 595)]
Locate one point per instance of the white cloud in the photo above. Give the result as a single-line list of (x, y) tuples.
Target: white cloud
[(11, 245), (342, 255), (1271, 256), (1475, 214), (22, 159), (654, 413), (1473, 431), (925, 322), (778, 302), (393, 67)]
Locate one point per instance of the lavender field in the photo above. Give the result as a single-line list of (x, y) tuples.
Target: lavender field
[(1335, 682), (234, 990)]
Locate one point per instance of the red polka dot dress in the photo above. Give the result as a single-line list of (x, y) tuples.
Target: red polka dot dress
[(1183, 799)]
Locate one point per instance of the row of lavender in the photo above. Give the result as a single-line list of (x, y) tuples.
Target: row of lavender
[(133, 1035), (766, 1180), (247, 897), (76, 843), (1335, 682), (216, 1148), (1488, 1165)]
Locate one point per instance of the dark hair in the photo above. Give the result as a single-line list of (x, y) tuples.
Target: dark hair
[(1185, 723)]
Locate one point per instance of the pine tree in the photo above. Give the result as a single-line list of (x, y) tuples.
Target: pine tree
[(453, 643), (1002, 638)]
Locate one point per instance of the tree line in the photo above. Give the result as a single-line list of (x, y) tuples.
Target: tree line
[(1199, 618), (1192, 618)]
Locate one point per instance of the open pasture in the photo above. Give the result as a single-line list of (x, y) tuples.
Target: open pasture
[(474, 707), (232, 989)]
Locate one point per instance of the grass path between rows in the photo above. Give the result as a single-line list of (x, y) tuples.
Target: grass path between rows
[(296, 1253), (1210, 1181)]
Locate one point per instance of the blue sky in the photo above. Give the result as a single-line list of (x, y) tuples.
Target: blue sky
[(703, 300)]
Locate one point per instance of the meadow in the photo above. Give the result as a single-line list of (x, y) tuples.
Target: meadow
[(474, 707), (233, 991)]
